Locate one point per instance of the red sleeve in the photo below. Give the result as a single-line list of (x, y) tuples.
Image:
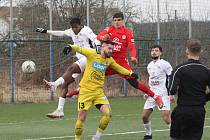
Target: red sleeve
[(102, 33), (131, 44)]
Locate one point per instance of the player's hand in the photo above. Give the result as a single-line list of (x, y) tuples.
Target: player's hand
[(134, 60), (41, 30), (105, 37), (172, 98), (67, 50), (135, 75)]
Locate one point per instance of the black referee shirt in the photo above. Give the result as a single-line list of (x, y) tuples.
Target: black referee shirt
[(191, 79)]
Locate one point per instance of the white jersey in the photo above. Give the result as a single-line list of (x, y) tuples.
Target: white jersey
[(158, 72), (81, 39)]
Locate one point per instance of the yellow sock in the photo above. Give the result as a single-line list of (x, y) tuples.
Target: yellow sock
[(78, 129), (104, 119), (77, 137), (103, 123)]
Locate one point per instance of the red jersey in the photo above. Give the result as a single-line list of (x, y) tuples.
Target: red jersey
[(122, 38)]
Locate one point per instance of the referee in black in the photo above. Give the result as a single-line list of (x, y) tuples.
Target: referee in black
[(189, 80)]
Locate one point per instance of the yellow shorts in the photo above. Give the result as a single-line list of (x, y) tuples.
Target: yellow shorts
[(86, 100)]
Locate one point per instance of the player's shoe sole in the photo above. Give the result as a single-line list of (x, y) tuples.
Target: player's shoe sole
[(51, 116)]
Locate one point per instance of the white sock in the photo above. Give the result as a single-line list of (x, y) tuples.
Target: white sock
[(61, 103), (148, 128), (59, 81), (98, 135), (169, 125)]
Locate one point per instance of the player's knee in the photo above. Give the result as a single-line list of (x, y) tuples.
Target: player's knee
[(82, 115), (133, 82), (79, 127)]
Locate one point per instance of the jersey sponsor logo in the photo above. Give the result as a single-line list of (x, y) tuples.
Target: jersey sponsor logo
[(155, 83), (96, 75), (117, 47), (115, 40), (99, 66)]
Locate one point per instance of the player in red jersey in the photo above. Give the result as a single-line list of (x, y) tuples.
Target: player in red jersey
[(123, 39)]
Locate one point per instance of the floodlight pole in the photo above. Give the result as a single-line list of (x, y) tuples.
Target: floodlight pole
[(88, 13), (11, 53), (124, 80), (158, 22), (190, 20), (51, 50)]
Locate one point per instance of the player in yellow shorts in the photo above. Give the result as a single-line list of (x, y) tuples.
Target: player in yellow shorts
[(92, 83)]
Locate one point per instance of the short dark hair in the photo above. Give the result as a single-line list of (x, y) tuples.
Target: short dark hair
[(194, 46), (118, 15), (75, 20), (157, 46), (107, 42)]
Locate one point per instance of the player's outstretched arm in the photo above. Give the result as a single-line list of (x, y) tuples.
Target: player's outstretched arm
[(55, 33), (85, 51)]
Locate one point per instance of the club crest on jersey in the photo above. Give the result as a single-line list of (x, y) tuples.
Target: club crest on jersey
[(99, 66), (123, 36)]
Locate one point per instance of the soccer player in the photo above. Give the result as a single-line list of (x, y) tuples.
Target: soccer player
[(159, 71), (123, 39), (82, 36), (92, 83), (191, 79)]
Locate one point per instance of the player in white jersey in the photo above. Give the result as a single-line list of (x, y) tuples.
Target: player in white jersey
[(82, 36), (159, 70)]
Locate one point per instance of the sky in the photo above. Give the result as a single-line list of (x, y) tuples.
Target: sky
[(148, 8), (200, 8)]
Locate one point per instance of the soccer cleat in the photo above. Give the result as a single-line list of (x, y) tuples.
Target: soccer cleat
[(94, 138), (50, 85), (147, 137), (73, 92), (56, 114), (159, 101)]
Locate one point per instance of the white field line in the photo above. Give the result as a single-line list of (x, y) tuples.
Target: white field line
[(109, 134), (54, 120)]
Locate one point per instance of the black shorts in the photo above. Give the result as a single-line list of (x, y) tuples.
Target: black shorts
[(187, 122)]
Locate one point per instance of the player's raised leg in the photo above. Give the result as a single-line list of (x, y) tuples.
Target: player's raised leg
[(68, 79)]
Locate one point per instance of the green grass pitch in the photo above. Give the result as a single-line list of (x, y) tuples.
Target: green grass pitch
[(29, 121)]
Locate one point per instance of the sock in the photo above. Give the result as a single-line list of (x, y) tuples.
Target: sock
[(98, 134), (103, 122), (148, 128), (78, 129), (77, 137), (169, 125), (59, 81), (61, 103), (145, 89)]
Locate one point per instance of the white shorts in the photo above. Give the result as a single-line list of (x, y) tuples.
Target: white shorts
[(82, 64), (150, 103)]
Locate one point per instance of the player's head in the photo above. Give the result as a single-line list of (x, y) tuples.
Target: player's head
[(156, 52), (118, 19), (107, 48), (193, 48), (75, 23)]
